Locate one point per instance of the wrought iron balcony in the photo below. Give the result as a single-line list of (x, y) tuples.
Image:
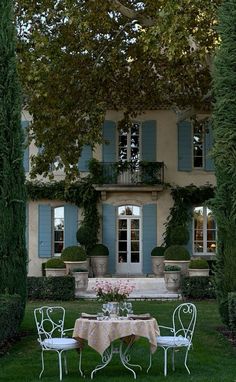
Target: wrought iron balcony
[(132, 173)]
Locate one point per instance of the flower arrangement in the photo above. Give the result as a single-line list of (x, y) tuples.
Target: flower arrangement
[(113, 291)]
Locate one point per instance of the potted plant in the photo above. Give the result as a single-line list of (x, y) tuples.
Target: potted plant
[(177, 255), (74, 257), (81, 280), (55, 267), (172, 275), (198, 267), (157, 255), (99, 259)]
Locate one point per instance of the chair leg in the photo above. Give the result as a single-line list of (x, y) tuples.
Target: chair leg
[(42, 360), (173, 359), (65, 363), (60, 365), (185, 360), (165, 361), (150, 362), (80, 363)]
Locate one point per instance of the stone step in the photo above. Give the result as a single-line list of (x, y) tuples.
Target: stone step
[(144, 288)]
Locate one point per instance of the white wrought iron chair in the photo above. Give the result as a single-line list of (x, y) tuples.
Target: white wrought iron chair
[(51, 335), (180, 334)]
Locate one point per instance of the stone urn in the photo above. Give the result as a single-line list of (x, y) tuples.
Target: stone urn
[(172, 276), (183, 264), (81, 280), (99, 259)]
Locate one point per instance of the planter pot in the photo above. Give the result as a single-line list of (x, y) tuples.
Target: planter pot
[(172, 280), (158, 265), (198, 272), (183, 264), (81, 281), (99, 265), (55, 272), (71, 265)]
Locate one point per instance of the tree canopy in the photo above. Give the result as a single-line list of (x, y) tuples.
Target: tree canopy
[(80, 58)]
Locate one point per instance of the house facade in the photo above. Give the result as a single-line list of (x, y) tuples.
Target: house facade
[(155, 154)]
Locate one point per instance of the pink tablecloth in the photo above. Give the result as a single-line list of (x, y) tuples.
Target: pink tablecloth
[(100, 334)]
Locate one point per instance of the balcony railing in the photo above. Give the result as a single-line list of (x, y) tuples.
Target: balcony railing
[(132, 173)]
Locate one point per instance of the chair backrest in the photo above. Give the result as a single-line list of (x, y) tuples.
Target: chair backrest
[(49, 321), (184, 320)]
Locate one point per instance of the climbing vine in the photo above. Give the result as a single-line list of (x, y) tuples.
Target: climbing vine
[(82, 194), (184, 198)]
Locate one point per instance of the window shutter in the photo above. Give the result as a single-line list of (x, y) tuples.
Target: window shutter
[(24, 125), (149, 234), (44, 230), (71, 224), (109, 147), (109, 233), (185, 146), (85, 157), (209, 164), (149, 141)]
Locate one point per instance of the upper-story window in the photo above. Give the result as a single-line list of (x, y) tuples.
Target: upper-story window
[(204, 231), (129, 144), (198, 144), (58, 230)]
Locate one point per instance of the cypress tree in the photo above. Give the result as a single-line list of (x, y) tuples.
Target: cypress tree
[(13, 255), (224, 124)]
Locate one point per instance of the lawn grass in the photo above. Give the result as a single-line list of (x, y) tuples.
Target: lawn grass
[(211, 360)]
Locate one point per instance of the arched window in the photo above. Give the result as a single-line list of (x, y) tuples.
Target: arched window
[(204, 231)]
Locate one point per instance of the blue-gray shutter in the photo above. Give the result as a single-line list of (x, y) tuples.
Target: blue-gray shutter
[(71, 224), (109, 233), (24, 125), (149, 141), (109, 146), (149, 234), (209, 164), (85, 157), (44, 230), (185, 146)]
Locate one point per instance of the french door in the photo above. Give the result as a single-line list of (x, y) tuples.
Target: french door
[(129, 259)]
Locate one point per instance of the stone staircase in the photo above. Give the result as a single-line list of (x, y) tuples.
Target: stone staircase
[(146, 288)]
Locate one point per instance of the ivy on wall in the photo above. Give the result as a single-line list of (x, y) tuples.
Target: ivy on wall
[(184, 199), (82, 194)]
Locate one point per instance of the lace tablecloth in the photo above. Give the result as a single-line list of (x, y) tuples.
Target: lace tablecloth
[(100, 334)]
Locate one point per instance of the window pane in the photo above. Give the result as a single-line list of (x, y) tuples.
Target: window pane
[(134, 246), (122, 235), (59, 235), (135, 224), (122, 246), (134, 235), (58, 224), (121, 210), (128, 210), (122, 224), (136, 210), (58, 247), (211, 246), (134, 257), (122, 257), (198, 246), (59, 212)]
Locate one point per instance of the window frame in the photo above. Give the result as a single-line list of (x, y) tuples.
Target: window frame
[(205, 230), (53, 208)]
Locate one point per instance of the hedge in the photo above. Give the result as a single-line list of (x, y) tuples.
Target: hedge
[(232, 311), (11, 313), (197, 287), (51, 288)]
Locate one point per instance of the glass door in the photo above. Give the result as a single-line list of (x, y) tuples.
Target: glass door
[(128, 241)]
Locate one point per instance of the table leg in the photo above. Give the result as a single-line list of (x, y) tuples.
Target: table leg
[(125, 358), (106, 358)]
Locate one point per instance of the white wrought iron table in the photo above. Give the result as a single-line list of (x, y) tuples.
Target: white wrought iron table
[(100, 336)]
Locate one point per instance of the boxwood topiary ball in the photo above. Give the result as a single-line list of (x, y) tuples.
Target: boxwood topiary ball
[(176, 252)]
